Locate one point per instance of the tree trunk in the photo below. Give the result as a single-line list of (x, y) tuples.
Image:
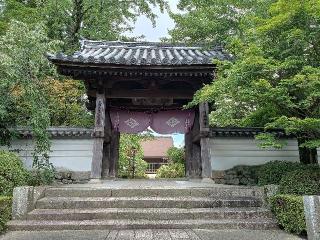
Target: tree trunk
[(307, 155)]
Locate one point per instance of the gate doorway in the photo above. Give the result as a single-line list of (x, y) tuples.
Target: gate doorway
[(149, 81)]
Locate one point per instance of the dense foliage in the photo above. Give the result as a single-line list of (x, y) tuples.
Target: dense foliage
[(12, 173), (289, 212), (176, 155), (240, 175), (23, 70), (273, 80), (5, 211), (272, 172), (176, 164), (31, 93), (131, 163), (69, 21), (301, 182), (213, 23), (66, 103), (172, 170)]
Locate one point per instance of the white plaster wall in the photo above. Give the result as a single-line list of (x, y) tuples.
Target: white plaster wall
[(71, 154), (228, 152)]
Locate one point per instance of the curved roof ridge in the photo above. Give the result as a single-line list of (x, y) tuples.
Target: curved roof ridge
[(141, 53)]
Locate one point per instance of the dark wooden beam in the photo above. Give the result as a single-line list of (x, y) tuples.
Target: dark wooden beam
[(147, 93), (99, 134), (114, 153), (204, 118), (196, 138)]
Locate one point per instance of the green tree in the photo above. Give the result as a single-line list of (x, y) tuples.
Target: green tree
[(22, 11), (176, 164), (70, 20), (176, 155), (274, 78), (66, 21), (214, 22), (66, 102), (131, 155), (24, 68)]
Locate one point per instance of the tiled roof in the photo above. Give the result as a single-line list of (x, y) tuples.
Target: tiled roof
[(140, 53), (245, 132), (157, 147), (59, 132)]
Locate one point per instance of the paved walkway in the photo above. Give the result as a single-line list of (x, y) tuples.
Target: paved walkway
[(187, 234), (152, 183)]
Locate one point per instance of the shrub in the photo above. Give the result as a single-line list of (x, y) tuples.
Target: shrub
[(242, 175), (272, 172), (5, 211), (12, 172), (176, 155), (131, 154), (301, 182), (173, 170), (289, 212), (44, 176)]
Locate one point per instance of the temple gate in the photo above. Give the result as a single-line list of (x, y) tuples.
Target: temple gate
[(133, 86)]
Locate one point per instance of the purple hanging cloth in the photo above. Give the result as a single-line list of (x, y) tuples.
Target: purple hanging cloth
[(173, 121), (129, 122)]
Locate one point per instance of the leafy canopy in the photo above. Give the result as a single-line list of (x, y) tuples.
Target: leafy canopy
[(274, 78), (131, 161), (24, 68), (71, 20), (31, 93)]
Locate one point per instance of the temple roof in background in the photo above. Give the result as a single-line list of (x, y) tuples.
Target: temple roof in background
[(140, 54), (157, 147)]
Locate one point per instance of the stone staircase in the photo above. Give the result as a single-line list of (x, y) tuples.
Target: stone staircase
[(81, 208)]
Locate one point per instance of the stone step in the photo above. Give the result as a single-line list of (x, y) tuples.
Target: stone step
[(223, 191), (144, 202), (252, 224), (149, 213)]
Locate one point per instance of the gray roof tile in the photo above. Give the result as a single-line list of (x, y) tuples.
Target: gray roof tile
[(53, 132), (140, 53)]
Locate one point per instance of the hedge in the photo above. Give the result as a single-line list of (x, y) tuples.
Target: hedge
[(5, 211), (289, 212), (12, 172), (172, 170), (301, 182), (272, 172)]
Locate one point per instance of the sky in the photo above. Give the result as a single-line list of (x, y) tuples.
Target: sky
[(144, 27)]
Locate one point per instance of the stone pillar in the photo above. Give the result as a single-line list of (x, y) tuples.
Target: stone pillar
[(312, 215), (204, 140), (24, 200), (99, 135)]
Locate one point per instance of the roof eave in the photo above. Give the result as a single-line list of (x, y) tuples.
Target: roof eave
[(68, 63)]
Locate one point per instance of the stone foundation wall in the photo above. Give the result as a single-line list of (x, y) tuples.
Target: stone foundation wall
[(239, 175), (72, 177)]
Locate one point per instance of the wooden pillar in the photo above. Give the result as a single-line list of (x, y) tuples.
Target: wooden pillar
[(204, 140), (114, 153), (106, 147), (99, 135), (189, 157), (196, 163), (193, 153)]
